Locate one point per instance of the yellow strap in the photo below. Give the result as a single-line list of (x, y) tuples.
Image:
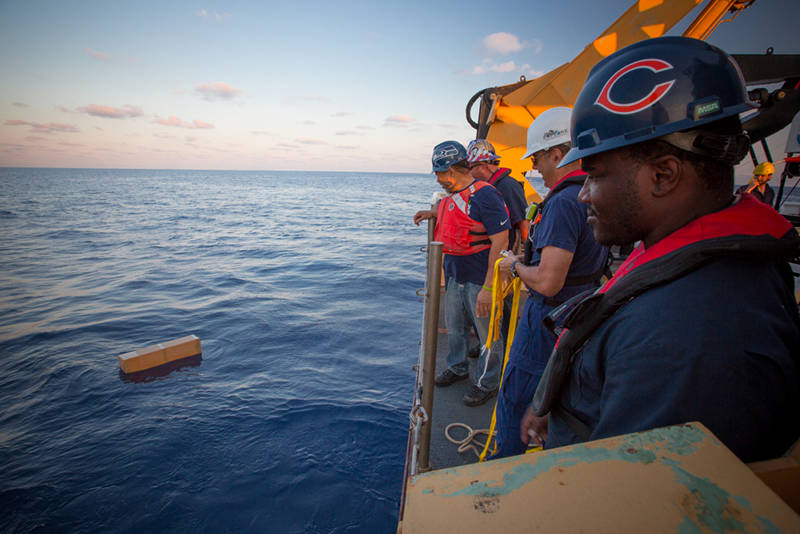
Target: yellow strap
[(497, 310)]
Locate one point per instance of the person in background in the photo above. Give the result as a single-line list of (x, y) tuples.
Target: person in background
[(758, 186), (484, 165), (700, 322), (562, 259), (472, 221)]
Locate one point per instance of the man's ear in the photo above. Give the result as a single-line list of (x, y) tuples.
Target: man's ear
[(667, 173), (556, 155)]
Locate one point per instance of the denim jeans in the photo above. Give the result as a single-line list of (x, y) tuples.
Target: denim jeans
[(459, 314)]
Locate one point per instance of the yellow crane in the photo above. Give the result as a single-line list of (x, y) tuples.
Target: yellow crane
[(507, 111)]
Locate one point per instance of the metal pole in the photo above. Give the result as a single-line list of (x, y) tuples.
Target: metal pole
[(767, 153), (784, 175), (753, 156), (433, 286)]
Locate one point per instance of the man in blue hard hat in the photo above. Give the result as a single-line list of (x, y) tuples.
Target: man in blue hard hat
[(473, 223), (700, 322)]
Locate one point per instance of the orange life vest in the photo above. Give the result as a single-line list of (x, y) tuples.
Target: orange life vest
[(461, 235)]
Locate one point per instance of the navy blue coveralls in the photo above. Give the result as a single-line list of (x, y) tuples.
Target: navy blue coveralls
[(719, 345), (563, 225)]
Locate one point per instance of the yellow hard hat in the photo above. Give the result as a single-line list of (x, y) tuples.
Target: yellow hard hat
[(764, 168)]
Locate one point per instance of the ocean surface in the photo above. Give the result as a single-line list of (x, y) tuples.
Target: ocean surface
[(301, 287)]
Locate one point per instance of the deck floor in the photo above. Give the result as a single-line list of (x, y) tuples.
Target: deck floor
[(448, 407)]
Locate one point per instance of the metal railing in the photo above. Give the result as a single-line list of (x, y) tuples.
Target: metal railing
[(422, 410)]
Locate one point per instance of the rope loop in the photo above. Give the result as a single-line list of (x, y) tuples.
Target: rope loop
[(469, 442)]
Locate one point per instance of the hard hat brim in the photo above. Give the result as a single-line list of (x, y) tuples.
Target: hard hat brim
[(596, 146)]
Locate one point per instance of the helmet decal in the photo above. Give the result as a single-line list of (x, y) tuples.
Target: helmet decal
[(445, 152), (605, 101)]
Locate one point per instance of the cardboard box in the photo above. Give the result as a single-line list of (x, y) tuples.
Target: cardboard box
[(155, 355)]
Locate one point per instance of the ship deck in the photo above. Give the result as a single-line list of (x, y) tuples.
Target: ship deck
[(448, 407)]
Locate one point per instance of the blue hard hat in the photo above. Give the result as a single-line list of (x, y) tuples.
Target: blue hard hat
[(446, 154), (653, 88)]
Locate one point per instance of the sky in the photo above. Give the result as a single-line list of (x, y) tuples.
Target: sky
[(329, 86)]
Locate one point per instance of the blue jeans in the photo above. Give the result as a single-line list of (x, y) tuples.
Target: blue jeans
[(459, 315)]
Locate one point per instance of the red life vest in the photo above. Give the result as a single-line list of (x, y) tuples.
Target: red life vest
[(746, 217), (499, 174), (461, 235)]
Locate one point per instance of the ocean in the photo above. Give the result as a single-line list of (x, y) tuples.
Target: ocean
[(301, 288)]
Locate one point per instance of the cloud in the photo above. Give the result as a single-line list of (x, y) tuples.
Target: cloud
[(343, 114), (286, 145), (400, 119), (108, 112), (502, 43), (365, 127), (260, 132), (20, 104), (487, 65), (217, 91), (529, 72), (309, 123), (178, 123), (44, 128), (348, 132), (309, 141), (62, 108), (102, 56), (347, 147), (204, 14)]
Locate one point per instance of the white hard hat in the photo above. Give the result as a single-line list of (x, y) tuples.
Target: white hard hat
[(549, 129)]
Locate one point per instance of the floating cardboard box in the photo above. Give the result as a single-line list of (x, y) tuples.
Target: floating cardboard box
[(156, 355)]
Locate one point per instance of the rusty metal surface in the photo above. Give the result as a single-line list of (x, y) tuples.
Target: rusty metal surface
[(674, 479)]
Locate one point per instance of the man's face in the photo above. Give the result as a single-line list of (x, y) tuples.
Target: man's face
[(763, 178), (543, 163), (614, 194), (446, 180), (480, 171)]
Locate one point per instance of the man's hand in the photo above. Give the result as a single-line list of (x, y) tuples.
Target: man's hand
[(423, 215), (483, 304), (505, 264), (533, 428)]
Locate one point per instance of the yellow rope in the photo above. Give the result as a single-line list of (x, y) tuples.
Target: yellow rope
[(498, 296)]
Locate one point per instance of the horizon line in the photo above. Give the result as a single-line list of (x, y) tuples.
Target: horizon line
[(189, 169)]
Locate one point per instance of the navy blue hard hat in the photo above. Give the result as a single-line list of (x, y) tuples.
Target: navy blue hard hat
[(446, 154), (653, 88)]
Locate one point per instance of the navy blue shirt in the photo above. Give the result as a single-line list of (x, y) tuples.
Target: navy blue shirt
[(514, 196), (768, 197), (721, 346), (563, 225), (486, 206)]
